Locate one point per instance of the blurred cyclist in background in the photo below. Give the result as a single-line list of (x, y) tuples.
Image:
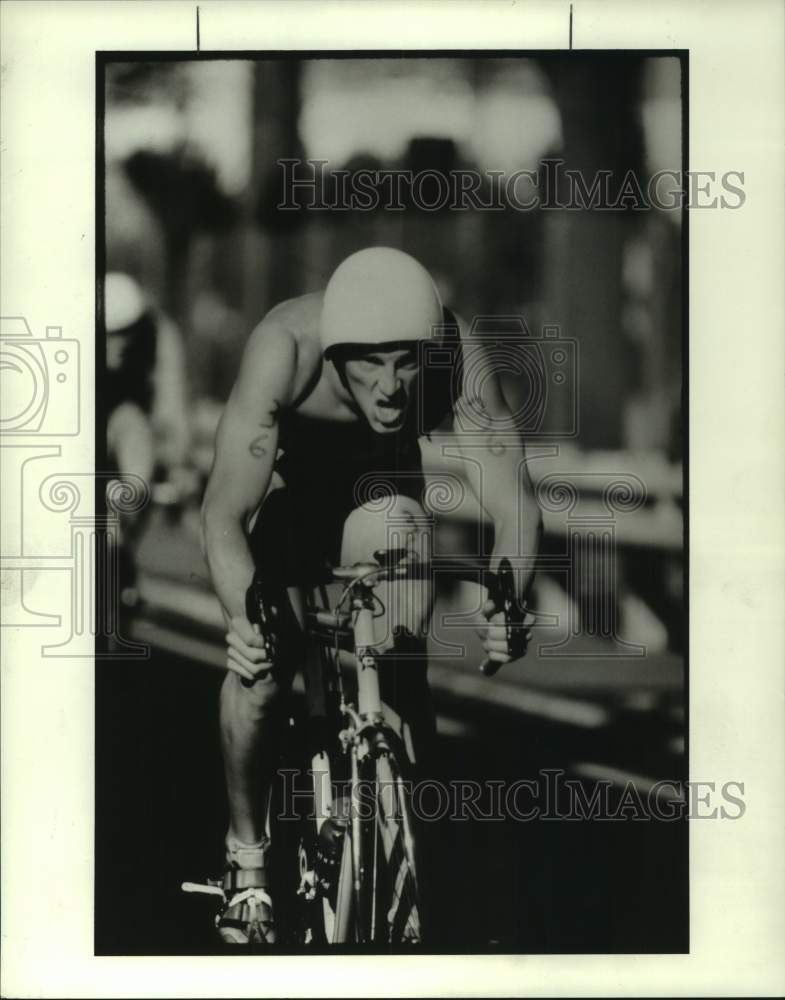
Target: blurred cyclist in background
[(146, 403), (332, 388)]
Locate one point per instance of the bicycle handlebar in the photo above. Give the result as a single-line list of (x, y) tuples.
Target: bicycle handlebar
[(395, 564), (260, 609)]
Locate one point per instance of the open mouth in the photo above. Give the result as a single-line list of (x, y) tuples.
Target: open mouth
[(390, 416)]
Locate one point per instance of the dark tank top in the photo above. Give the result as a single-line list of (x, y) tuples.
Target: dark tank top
[(329, 469), (353, 463)]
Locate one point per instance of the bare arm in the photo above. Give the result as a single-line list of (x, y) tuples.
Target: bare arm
[(246, 445), (495, 462)]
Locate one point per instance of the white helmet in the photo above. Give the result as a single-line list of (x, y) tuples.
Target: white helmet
[(124, 301), (379, 296)]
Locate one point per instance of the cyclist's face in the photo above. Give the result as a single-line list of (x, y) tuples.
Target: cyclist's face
[(382, 383)]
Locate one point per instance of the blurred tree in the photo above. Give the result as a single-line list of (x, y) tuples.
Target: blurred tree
[(182, 191), (276, 112), (147, 82), (599, 103), (274, 261)]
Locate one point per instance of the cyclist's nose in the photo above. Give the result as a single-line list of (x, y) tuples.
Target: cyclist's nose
[(389, 382)]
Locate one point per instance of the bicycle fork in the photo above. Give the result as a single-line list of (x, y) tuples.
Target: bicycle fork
[(369, 707)]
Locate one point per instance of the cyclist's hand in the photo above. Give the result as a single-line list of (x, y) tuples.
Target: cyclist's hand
[(494, 634), (245, 648)]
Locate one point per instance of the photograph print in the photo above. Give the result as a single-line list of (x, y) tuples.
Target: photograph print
[(391, 446)]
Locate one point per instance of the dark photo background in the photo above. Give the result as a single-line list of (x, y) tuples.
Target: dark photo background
[(189, 156)]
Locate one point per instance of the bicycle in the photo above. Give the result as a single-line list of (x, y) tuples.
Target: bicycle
[(358, 863)]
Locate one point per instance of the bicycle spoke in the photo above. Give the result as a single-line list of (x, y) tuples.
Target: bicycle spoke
[(344, 896), (375, 879), (403, 914)]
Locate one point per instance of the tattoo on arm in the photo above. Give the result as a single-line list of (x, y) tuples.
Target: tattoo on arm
[(272, 417), (256, 447)]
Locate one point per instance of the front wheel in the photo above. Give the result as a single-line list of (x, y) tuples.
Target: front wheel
[(389, 898), (326, 883), (371, 894), (339, 921)]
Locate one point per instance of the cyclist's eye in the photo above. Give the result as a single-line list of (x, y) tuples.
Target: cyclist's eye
[(410, 362), (359, 367)]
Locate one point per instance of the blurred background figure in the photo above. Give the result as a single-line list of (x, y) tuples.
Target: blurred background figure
[(130, 359), (147, 408)]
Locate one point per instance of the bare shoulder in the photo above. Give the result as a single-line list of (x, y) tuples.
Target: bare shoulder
[(298, 314), (284, 346), (481, 391)]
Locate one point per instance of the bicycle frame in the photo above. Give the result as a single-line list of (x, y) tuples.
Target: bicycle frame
[(368, 742), (369, 702)]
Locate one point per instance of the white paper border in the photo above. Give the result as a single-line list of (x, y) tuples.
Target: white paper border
[(737, 530)]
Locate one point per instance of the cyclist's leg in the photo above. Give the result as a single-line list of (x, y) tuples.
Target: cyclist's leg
[(251, 723), (250, 727), (251, 717), (398, 521), (250, 735)]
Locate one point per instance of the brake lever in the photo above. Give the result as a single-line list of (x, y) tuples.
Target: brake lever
[(259, 610)]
